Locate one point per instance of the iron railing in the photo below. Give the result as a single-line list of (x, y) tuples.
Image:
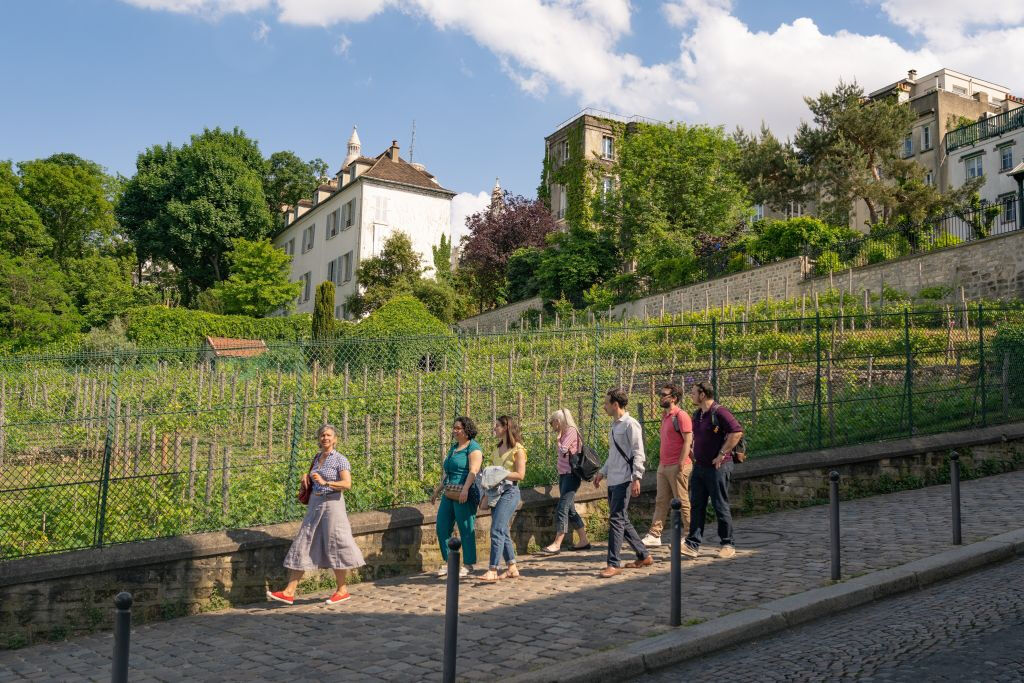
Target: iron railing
[(984, 129)]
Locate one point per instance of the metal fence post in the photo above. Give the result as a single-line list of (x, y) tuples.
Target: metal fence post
[(714, 356), (676, 616), (833, 502), (122, 636), (908, 375), (108, 450), (451, 611), (954, 486), (817, 377), (981, 364)]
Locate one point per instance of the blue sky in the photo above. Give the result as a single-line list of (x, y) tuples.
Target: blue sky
[(484, 81)]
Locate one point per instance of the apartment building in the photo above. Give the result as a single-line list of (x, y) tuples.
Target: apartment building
[(597, 142), (944, 100), (348, 219)]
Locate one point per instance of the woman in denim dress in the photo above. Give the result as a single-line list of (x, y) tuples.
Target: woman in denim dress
[(325, 538)]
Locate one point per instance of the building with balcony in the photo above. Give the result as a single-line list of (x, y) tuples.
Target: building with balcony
[(990, 149), (349, 217)]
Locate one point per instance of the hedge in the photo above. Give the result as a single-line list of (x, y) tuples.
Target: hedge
[(415, 332), (158, 327)]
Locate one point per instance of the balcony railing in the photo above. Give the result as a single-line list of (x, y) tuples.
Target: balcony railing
[(988, 128)]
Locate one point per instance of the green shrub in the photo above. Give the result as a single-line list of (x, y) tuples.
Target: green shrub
[(1009, 339), (153, 327), (828, 262), (399, 334), (942, 241)]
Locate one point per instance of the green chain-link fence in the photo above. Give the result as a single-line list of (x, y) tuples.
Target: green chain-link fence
[(107, 448)]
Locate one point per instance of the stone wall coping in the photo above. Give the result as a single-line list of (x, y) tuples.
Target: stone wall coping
[(194, 546)]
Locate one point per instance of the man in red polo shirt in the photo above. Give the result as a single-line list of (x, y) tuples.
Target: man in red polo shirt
[(674, 464)]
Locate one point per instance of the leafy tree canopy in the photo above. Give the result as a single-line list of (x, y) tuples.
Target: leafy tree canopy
[(258, 284), (186, 204), (287, 179), (35, 309)]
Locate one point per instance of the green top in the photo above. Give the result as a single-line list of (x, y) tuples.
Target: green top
[(456, 465)]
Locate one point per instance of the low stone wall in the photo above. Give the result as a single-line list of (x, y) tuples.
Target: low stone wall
[(55, 596), (494, 320)]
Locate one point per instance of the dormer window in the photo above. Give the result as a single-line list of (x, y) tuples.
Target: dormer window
[(351, 172)]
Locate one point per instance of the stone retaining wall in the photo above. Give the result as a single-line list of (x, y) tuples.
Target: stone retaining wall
[(55, 596)]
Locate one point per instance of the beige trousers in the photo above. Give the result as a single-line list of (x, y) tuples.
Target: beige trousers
[(673, 482)]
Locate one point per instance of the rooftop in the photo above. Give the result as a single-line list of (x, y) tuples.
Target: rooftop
[(226, 347)]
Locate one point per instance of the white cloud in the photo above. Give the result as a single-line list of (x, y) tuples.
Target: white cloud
[(725, 73), (466, 204), (261, 32), (342, 46)]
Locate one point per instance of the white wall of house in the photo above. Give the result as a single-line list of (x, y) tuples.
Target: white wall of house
[(993, 157), (380, 209)]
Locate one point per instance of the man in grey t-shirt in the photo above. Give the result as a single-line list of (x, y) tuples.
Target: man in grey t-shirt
[(623, 469)]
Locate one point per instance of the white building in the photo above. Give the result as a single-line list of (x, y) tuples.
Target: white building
[(349, 218), (990, 149)]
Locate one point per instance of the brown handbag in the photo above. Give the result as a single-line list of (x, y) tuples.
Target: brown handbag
[(306, 487)]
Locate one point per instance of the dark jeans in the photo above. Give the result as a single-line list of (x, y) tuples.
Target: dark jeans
[(710, 482), (619, 525), (565, 513)]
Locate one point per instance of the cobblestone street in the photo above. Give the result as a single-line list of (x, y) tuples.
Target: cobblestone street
[(968, 629), (559, 609)]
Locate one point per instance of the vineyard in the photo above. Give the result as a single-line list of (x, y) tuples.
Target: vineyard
[(108, 448)]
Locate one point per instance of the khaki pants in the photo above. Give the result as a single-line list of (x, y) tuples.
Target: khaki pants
[(673, 482)]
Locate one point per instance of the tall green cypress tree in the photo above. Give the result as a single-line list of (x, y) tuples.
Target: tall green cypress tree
[(323, 311)]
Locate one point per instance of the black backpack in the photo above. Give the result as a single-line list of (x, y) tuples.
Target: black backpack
[(739, 452), (584, 463)]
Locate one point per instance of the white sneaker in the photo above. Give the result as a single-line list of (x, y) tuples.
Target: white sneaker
[(651, 541), (688, 551), (442, 572), (463, 571), (727, 551)]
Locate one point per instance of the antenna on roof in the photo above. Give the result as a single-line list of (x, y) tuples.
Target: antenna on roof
[(412, 141)]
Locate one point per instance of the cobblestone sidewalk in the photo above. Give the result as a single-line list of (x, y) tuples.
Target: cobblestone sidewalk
[(392, 629)]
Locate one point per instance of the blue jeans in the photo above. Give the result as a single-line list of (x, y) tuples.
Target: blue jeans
[(501, 521), (710, 482), (565, 513)]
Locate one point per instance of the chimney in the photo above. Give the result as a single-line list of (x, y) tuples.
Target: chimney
[(393, 152), (912, 75), (981, 96)]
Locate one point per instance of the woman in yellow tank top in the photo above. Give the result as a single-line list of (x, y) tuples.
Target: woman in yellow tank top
[(503, 499)]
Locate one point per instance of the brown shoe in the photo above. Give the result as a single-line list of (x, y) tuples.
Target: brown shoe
[(646, 562), (609, 572)]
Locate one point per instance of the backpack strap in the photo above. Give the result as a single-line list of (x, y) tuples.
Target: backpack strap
[(622, 453)]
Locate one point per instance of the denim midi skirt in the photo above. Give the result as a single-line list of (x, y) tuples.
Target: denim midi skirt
[(325, 538)]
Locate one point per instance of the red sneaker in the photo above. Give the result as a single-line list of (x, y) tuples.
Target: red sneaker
[(338, 597), (280, 597)]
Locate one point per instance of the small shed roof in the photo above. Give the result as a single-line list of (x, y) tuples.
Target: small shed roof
[(226, 347)]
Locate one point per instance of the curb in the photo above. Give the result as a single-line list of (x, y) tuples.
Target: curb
[(650, 654)]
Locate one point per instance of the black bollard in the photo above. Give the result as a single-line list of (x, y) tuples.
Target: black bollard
[(954, 485), (122, 635), (833, 501), (677, 574), (451, 610)]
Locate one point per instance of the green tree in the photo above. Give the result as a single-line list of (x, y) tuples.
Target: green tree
[(287, 179), (673, 182), (442, 253), (775, 240), (395, 271), (186, 204), (771, 170), (101, 287), (258, 283), (574, 261), (21, 231), (323, 311), (853, 153), (521, 274), (35, 309), (72, 203)]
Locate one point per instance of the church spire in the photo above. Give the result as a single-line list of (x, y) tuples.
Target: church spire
[(497, 197)]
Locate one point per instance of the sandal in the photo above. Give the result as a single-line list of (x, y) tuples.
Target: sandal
[(549, 551), (487, 579), (511, 573)]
